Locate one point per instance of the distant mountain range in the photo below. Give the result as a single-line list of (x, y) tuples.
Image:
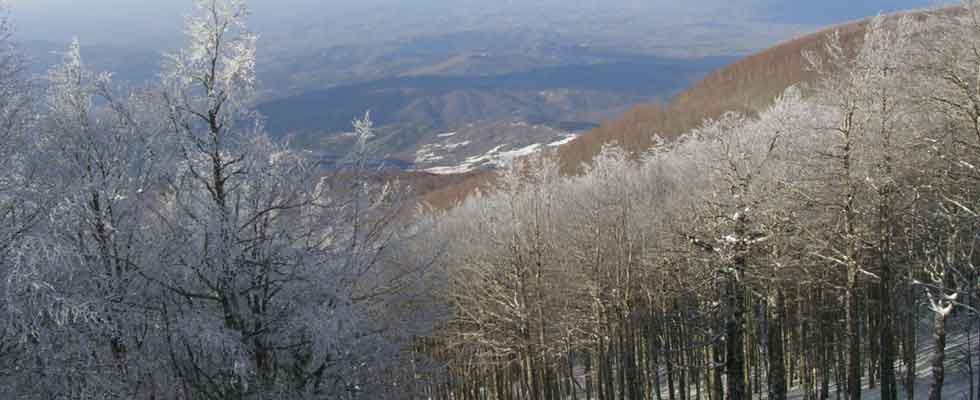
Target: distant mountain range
[(501, 77), (127, 64), (747, 85), (513, 110)]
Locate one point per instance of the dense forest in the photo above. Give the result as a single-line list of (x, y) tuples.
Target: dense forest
[(793, 251), (158, 244)]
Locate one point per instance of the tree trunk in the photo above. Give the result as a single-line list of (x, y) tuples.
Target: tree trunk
[(669, 357), (939, 357), (655, 350), (588, 376), (734, 337), (886, 335), (910, 341), (777, 361), (853, 337), (873, 346), (970, 367), (572, 383), (717, 387), (683, 367), (974, 368)]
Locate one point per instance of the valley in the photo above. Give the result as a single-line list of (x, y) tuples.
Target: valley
[(503, 81), (504, 112)]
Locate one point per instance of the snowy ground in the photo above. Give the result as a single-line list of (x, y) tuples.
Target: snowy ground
[(957, 382), (959, 347), (496, 157)]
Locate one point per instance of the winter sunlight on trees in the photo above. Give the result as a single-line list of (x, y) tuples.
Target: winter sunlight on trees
[(156, 242)]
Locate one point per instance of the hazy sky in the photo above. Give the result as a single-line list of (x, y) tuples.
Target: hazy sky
[(157, 23), (141, 22)]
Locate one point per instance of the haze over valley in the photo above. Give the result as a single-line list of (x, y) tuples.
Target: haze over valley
[(503, 75)]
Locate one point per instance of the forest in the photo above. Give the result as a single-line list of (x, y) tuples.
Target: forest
[(156, 243)]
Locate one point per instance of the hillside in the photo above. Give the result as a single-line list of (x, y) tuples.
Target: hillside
[(483, 114), (745, 86)]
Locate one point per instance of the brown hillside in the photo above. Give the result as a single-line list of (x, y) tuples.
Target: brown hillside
[(745, 86)]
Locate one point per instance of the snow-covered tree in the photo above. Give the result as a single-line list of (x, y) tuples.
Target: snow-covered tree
[(863, 109), (271, 269), (23, 201), (101, 154)]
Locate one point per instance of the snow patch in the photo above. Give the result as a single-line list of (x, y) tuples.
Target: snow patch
[(568, 139), (430, 152), (459, 169), (427, 157), (426, 154), (454, 146), (496, 157), (509, 156)]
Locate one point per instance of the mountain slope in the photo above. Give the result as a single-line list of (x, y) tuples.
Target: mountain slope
[(745, 86), (332, 109), (484, 112)]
